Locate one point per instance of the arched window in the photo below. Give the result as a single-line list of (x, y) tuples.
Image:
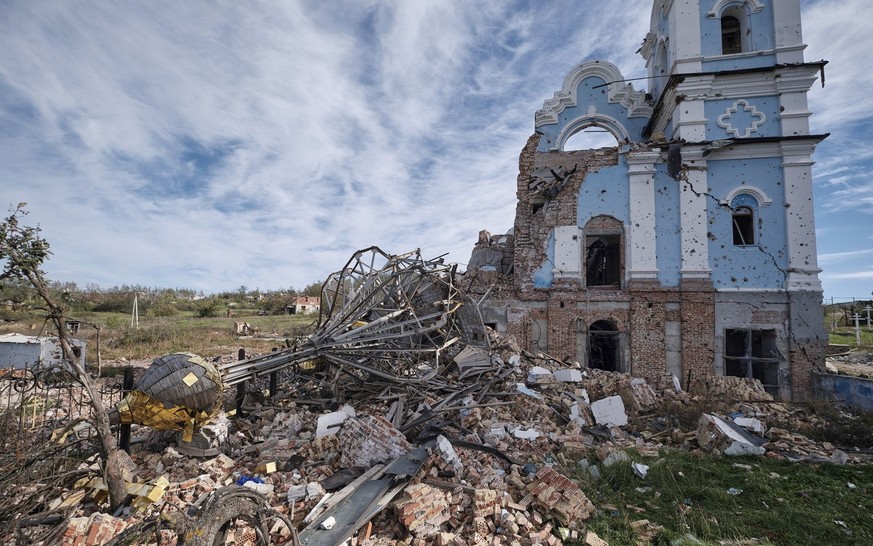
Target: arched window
[(743, 226), (731, 35), (744, 209)]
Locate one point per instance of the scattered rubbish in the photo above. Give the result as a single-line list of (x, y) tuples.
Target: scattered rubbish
[(640, 469), (609, 411), (725, 438), (734, 491)]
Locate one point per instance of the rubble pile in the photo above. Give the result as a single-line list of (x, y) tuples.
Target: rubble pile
[(484, 453)]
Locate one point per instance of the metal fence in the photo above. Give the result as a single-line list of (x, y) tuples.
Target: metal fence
[(46, 411)]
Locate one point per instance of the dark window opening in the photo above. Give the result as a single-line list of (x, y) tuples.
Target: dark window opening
[(603, 260), (536, 206), (753, 353), (603, 346), (77, 351), (743, 226), (731, 35)]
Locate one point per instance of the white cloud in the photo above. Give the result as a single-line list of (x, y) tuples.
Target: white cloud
[(859, 275), (836, 257), (170, 144)]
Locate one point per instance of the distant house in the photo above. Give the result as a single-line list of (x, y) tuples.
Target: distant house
[(19, 351), (305, 305)]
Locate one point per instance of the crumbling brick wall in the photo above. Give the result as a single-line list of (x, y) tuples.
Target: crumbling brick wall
[(697, 315), (546, 201)]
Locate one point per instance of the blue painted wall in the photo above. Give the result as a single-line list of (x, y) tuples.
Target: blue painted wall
[(543, 277), (605, 192), (856, 392), (741, 119), (762, 265)]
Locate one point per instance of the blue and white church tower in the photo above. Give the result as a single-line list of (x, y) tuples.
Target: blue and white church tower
[(688, 250)]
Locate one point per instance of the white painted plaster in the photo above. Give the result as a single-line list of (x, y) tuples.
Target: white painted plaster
[(609, 411), (800, 216), (641, 244), (692, 205), (568, 251), (786, 15), (685, 30), (718, 8)]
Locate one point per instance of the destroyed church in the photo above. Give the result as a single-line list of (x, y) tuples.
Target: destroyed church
[(688, 249)]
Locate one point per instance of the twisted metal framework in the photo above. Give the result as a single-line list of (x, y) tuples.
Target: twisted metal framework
[(385, 315)]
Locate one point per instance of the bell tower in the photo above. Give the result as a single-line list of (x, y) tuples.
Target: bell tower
[(729, 83)]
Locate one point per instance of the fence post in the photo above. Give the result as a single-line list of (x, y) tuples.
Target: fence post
[(240, 388), (274, 379), (126, 386)]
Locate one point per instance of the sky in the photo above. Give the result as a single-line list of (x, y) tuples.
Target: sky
[(215, 145)]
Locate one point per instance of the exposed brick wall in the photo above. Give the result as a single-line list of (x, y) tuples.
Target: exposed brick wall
[(697, 314), (648, 347)]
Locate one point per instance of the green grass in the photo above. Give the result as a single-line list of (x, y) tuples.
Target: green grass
[(846, 336), (155, 336), (781, 503)]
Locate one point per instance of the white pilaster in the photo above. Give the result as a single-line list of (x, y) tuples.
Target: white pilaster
[(689, 116), (692, 206), (568, 252), (788, 34), (685, 32), (800, 216), (641, 245), (792, 86)]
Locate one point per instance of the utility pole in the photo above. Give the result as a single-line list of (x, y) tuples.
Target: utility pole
[(868, 309), (857, 319), (134, 315)]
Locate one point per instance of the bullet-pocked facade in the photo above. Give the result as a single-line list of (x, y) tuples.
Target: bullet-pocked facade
[(688, 249)]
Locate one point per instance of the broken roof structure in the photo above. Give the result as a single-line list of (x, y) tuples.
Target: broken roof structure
[(688, 249)]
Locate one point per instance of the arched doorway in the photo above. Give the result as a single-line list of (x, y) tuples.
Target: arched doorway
[(604, 346)]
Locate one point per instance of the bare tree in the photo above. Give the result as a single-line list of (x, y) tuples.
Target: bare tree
[(22, 253)]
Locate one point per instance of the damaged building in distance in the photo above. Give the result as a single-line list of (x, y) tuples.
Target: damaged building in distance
[(687, 250)]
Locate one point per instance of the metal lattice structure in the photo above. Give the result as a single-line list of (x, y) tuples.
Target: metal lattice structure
[(389, 316)]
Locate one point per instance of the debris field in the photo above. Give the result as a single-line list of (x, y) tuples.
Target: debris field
[(483, 454)]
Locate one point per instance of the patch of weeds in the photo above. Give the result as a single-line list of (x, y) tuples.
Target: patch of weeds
[(146, 337), (732, 500), (835, 424)]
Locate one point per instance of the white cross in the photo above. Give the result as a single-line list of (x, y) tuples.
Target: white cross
[(857, 319), (868, 309)]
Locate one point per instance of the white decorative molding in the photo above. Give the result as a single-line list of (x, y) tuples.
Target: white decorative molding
[(757, 193), (723, 120), (725, 150), (648, 46), (618, 92), (591, 119), (715, 13)]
